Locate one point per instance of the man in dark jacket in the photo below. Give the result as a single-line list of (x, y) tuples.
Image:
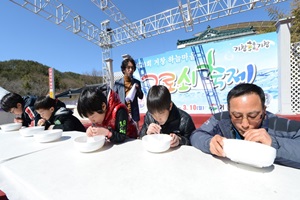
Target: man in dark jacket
[(164, 117), (55, 116), (247, 119), (21, 107)]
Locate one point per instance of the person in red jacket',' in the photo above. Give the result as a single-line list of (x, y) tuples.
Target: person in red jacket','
[(108, 115)]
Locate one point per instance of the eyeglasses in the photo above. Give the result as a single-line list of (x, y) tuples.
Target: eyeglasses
[(251, 118)]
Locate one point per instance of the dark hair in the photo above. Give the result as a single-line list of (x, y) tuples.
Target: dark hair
[(246, 88), (10, 100), (44, 102), (125, 63), (90, 101), (158, 99)]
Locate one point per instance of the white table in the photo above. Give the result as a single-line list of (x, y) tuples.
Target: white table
[(127, 171), (14, 145)]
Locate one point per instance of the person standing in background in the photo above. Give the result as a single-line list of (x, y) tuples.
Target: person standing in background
[(124, 85)]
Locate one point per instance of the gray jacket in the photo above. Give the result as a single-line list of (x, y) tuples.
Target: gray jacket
[(119, 88), (285, 136)]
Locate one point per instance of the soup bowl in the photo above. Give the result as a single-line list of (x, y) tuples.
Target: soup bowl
[(48, 135), (89, 144), (11, 126), (250, 153), (30, 131), (156, 143)]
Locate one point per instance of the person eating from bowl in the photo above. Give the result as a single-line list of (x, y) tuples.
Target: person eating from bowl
[(247, 119), (109, 117), (22, 107), (164, 117), (54, 115)]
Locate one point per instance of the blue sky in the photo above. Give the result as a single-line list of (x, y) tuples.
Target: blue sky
[(27, 36)]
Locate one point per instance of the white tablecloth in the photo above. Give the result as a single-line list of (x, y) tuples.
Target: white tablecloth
[(127, 171), (13, 145)]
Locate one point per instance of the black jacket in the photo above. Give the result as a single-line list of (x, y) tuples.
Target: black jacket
[(63, 118), (178, 122)]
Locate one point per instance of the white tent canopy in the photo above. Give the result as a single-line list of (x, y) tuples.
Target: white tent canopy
[(3, 92), (5, 117)]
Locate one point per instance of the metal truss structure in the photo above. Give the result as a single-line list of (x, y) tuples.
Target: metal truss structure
[(185, 15)]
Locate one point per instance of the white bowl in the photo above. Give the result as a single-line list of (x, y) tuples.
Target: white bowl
[(250, 153), (48, 135), (11, 126), (29, 131), (156, 143), (89, 144)]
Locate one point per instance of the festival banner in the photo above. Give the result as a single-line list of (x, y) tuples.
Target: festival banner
[(250, 59)]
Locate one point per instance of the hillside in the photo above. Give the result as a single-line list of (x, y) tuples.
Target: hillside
[(30, 77)]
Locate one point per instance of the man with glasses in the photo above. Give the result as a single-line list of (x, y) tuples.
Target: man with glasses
[(247, 119)]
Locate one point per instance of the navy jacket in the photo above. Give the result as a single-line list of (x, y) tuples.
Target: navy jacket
[(29, 115)]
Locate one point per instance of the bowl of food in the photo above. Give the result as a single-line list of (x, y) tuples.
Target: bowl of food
[(89, 144), (30, 131), (11, 126), (156, 143), (250, 153), (48, 135)]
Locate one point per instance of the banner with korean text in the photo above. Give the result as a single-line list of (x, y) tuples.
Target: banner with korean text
[(250, 59)]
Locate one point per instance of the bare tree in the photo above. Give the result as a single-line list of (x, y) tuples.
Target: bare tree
[(295, 29), (276, 13)]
